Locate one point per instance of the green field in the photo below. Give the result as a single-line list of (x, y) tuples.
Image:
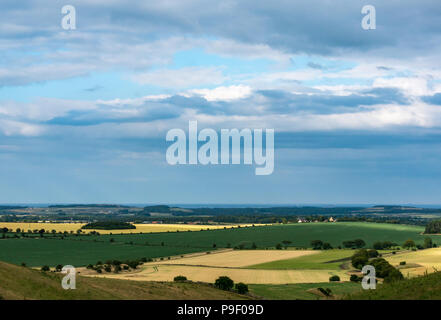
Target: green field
[(324, 260), (38, 252), (268, 236), (85, 249), (299, 291)]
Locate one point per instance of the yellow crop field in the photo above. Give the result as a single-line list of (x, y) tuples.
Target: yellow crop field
[(210, 274), (417, 262), (140, 228), (231, 263), (237, 258)]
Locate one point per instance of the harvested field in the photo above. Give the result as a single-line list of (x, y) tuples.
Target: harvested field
[(140, 228), (239, 258), (417, 262)]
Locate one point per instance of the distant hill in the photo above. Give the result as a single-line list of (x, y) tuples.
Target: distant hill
[(18, 283), (420, 288)]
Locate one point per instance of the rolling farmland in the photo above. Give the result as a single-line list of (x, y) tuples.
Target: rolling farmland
[(140, 228), (80, 250)]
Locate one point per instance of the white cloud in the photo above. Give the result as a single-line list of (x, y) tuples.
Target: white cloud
[(224, 93), (181, 78), (409, 86)]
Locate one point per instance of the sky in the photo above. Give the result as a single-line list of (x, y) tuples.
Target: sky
[(84, 113)]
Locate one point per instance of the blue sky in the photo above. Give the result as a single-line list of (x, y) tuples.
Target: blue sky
[(84, 112)]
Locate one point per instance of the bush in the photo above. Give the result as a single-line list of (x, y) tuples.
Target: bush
[(385, 270), (23, 264), (224, 283), (372, 253), (355, 278), (180, 278), (360, 258), (334, 278), (58, 268), (241, 288), (45, 268), (107, 269), (408, 244), (327, 292), (402, 263)]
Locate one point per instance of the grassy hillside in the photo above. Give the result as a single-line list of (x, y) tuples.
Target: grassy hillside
[(17, 283), (426, 287), (301, 291)]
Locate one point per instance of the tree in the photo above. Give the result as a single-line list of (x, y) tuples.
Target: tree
[(316, 244), (359, 243), (408, 244), (224, 283), (428, 243), (45, 268), (348, 244), (180, 278), (354, 278), (286, 243), (334, 278), (360, 258), (372, 253), (278, 246), (241, 288), (327, 246), (133, 264), (433, 227), (378, 245), (385, 270), (58, 268)]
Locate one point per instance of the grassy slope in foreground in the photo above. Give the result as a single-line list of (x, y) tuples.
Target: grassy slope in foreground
[(17, 283), (299, 291), (420, 288)]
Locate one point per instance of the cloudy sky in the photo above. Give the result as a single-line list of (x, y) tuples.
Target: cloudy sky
[(356, 113)]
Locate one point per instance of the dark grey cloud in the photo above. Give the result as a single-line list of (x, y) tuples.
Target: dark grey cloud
[(311, 26), (285, 102)]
